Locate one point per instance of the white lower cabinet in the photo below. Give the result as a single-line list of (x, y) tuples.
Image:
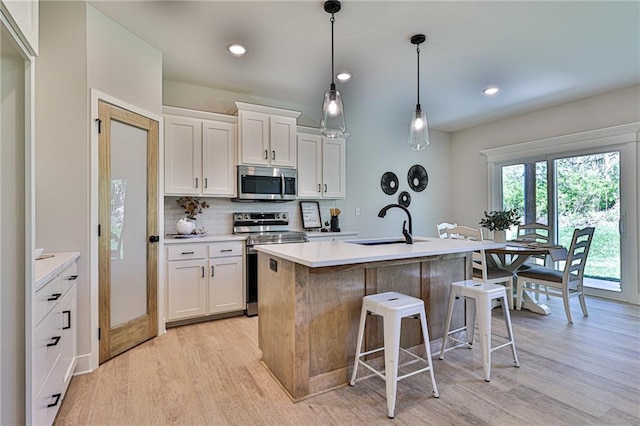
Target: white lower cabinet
[(204, 279), (54, 343)]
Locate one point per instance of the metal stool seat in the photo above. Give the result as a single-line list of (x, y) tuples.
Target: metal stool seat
[(483, 295), (392, 307)]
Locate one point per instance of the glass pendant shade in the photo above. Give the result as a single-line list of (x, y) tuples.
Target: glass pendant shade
[(418, 130), (332, 124)]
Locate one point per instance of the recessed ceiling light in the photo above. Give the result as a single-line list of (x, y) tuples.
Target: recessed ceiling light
[(343, 76), (237, 49), (492, 90)]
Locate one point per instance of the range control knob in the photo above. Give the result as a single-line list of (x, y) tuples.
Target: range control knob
[(284, 216), (246, 216)]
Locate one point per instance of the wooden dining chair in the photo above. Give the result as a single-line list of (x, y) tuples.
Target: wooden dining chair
[(442, 227), (481, 271), (534, 233), (566, 283)]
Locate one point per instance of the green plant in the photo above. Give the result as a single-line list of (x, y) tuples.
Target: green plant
[(192, 206), (500, 220)]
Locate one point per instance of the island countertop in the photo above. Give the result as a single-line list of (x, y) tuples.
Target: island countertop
[(332, 253)]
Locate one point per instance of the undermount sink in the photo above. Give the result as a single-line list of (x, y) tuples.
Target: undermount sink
[(381, 242)]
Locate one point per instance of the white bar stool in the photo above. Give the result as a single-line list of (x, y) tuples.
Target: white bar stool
[(393, 307), (482, 294)]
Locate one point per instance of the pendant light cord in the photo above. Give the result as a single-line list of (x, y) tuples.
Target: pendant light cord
[(333, 84), (418, 79)]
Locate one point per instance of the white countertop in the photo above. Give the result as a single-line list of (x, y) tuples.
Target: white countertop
[(317, 254), (203, 239), (49, 267)]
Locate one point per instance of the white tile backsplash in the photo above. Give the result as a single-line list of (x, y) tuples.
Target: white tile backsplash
[(218, 220)]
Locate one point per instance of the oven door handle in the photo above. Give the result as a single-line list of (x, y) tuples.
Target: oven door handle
[(282, 185)]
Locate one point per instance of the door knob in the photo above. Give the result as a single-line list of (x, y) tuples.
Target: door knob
[(154, 239)]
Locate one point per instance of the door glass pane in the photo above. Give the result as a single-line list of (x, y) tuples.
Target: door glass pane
[(524, 188), (128, 223), (588, 189)]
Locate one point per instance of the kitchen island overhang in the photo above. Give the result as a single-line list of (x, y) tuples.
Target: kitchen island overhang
[(310, 296)]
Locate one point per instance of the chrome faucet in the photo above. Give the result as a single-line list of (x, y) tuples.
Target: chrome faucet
[(408, 235)]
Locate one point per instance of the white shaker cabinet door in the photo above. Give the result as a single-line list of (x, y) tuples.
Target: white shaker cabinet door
[(219, 158), (333, 168), (187, 289), (254, 138), (182, 155), (283, 141), (225, 285), (309, 166)]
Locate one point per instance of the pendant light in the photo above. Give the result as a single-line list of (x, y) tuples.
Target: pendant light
[(418, 128), (332, 124)]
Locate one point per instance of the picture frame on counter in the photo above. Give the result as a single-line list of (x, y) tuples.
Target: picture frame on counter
[(310, 211)]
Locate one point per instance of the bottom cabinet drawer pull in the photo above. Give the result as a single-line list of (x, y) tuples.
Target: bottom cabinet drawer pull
[(56, 398), (187, 252), (226, 250), (55, 341)]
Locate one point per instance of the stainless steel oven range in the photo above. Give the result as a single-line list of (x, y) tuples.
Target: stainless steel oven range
[(262, 228)]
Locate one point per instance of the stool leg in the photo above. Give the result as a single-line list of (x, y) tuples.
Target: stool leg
[(507, 322), (471, 313), (447, 323), (363, 320), (425, 336), (483, 305), (391, 354)]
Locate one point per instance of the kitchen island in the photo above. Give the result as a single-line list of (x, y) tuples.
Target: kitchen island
[(310, 296)]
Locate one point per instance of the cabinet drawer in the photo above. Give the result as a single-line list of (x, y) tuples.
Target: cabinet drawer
[(68, 278), (47, 402), (47, 347), (186, 252), (224, 249), (46, 298)]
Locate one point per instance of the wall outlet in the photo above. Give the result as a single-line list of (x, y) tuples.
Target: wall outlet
[(357, 211)]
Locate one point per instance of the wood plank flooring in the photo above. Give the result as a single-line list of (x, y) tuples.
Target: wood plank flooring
[(210, 373)]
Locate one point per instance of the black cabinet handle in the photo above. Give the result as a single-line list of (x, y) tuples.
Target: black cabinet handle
[(206, 183), (325, 187), (319, 188), (54, 296), (196, 182), (273, 155), (266, 154), (68, 326), (226, 250), (56, 398), (202, 271), (187, 252), (55, 341), (71, 278), (154, 238), (212, 271)]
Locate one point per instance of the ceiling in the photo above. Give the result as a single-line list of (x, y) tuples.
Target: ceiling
[(539, 53)]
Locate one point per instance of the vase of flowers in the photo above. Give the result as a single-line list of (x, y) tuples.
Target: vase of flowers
[(192, 208), (499, 221)]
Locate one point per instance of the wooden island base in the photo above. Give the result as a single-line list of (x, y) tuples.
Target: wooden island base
[(308, 317)]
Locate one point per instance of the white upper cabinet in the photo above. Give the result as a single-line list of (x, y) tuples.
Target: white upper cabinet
[(321, 166), (266, 136), (25, 18), (199, 153)]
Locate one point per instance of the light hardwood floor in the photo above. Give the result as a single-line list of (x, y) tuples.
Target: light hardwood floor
[(587, 373)]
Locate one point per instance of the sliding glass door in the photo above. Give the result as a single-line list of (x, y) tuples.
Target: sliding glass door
[(569, 191)]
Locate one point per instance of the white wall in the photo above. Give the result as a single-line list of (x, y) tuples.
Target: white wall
[(374, 147), (88, 51)]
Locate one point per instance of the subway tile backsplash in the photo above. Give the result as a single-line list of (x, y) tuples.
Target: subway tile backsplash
[(218, 220)]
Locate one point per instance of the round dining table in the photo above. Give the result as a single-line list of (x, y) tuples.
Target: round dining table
[(514, 254)]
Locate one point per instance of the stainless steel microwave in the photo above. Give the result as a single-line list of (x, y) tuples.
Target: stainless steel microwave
[(266, 183)]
